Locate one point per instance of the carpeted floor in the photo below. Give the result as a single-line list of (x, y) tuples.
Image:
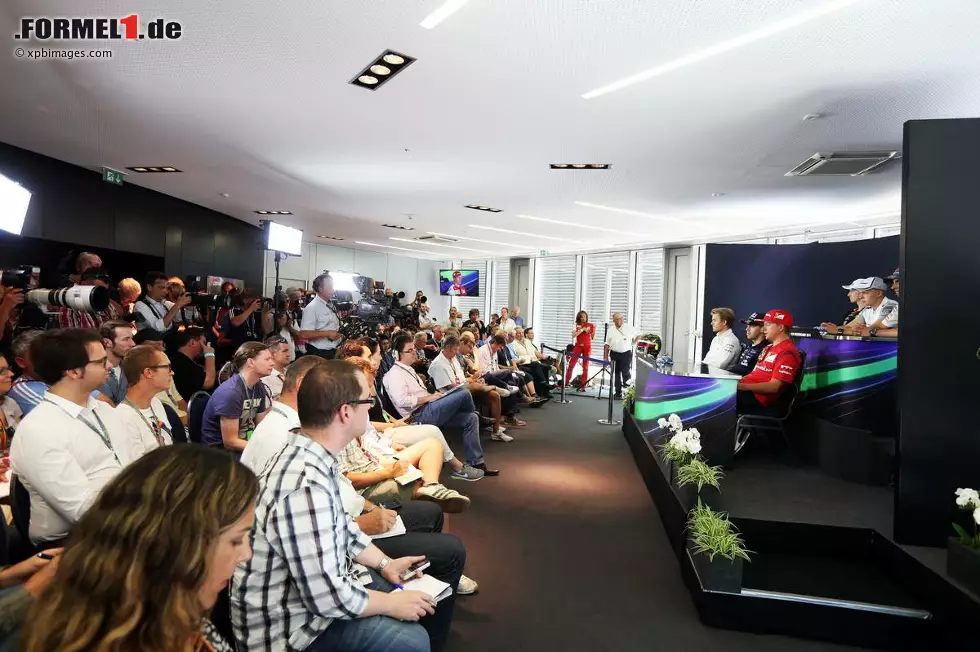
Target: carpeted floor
[(569, 551)]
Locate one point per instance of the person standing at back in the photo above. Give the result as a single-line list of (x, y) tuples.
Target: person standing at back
[(320, 326), (582, 334), (725, 347), (154, 310), (619, 348)]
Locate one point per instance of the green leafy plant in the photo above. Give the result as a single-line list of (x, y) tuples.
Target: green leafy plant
[(714, 535), (697, 472), (629, 395)]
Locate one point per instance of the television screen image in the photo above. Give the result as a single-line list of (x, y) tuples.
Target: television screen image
[(459, 282)]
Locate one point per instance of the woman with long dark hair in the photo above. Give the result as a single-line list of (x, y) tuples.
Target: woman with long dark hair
[(147, 561), (583, 333)]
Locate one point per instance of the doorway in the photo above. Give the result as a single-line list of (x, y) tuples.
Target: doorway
[(678, 341)]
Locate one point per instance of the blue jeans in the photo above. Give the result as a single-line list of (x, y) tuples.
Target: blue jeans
[(373, 634), (455, 411)]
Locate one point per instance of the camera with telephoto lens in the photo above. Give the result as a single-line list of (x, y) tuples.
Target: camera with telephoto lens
[(19, 277), (84, 298)]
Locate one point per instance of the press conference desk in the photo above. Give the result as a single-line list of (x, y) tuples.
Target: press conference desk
[(703, 397)]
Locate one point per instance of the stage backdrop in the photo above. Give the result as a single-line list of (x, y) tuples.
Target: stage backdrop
[(804, 279)]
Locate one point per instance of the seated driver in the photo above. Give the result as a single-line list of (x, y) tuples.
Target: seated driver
[(775, 372)]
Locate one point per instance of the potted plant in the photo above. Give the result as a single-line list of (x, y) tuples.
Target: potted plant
[(681, 445), (716, 549), (629, 398), (698, 481), (963, 551)]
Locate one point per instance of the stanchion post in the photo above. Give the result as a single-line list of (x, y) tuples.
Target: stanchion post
[(561, 399), (609, 420)]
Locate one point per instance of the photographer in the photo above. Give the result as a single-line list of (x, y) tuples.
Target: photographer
[(153, 312), (321, 323), (189, 315), (241, 324), (9, 311), (72, 318)]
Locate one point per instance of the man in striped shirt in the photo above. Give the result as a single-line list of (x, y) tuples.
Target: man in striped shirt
[(302, 589)]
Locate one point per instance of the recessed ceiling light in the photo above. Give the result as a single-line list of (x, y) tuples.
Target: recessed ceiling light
[(477, 207), (494, 242), (400, 228), (329, 237), (626, 211), (578, 165), (381, 70), (384, 246), (559, 165), (154, 168), (273, 212), (812, 116), (725, 46), (443, 12), (444, 246), (576, 225), (529, 235), (226, 195), (717, 194)]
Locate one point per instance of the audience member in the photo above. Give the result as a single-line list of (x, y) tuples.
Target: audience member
[(409, 396), (300, 586), (510, 396), (71, 318), (506, 323), (70, 445), (147, 371), (240, 403), (725, 346), (779, 363), (129, 292), (279, 349), (117, 339), (455, 319), (154, 311), (20, 585), (241, 324), (476, 322), (10, 412), (149, 559), (515, 314), (86, 260), (447, 374), (169, 396), (189, 376), (507, 360), (425, 320), (28, 389), (321, 323), (757, 341)]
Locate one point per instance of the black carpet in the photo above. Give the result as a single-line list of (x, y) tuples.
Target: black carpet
[(569, 551)]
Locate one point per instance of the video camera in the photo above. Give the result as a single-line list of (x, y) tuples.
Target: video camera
[(372, 310)]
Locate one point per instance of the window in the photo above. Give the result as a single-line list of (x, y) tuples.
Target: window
[(555, 302), (844, 235), (500, 295), (649, 291), (606, 288), (465, 304)]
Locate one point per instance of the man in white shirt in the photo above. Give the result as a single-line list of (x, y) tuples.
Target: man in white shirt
[(148, 373), (320, 326), (619, 349), (154, 312), (71, 444), (409, 396), (879, 314), (725, 347), (279, 349), (117, 338), (425, 322), (506, 323), (447, 373)]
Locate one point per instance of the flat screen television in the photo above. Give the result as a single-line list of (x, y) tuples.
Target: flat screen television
[(459, 282)]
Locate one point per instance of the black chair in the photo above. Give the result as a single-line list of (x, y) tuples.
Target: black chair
[(177, 430), (748, 423), (20, 507), (195, 414), (4, 543)]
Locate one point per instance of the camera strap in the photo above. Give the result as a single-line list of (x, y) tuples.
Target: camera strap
[(152, 308)]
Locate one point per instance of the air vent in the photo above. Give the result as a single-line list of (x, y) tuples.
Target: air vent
[(848, 164), (435, 238)]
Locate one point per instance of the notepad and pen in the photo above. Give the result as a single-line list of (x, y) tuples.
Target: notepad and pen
[(397, 529), (436, 589)]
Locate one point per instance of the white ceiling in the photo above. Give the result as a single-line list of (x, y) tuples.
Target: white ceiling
[(253, 101)]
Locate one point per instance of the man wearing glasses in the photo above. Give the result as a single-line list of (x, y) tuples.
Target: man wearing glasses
[(148, 373), (71, 444), (454, 409)]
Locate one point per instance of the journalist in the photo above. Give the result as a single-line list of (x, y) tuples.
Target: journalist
[(321, 323), (153, 312), (241, 324), (117, 339), (73, 318), (189, 376)]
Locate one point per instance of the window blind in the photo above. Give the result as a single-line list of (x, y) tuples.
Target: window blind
[(606, 288), (649, 291), (555, 302), (500, 293)]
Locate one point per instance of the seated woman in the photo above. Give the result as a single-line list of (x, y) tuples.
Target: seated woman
[(148, 560), (10, 412), (20, 585)]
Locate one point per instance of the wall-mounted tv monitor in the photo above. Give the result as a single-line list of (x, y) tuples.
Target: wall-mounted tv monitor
[(459, 282)]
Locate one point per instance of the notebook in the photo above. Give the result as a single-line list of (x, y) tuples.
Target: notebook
[(411, 475), (438, 589), (397, 529)]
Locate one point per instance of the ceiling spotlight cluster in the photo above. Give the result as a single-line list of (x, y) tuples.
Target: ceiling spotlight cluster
[(400, 228), (580, 166), (386, 66), (329, 237), (273, 212), (144, 169), (477, 207)]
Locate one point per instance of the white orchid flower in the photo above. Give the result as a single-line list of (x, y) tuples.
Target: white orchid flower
[(662, 423), (976, 515), (967, 498), (675, 422)]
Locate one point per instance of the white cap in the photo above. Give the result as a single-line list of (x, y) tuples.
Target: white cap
[(870, 283)]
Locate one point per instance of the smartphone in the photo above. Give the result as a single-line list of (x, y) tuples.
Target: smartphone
[(44, 555), (393, 505), (414, 568)]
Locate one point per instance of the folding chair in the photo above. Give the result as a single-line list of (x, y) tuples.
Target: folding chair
[(747, 423)]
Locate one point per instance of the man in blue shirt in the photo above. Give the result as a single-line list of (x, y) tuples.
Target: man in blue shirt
[(241, 402), (757, 342)]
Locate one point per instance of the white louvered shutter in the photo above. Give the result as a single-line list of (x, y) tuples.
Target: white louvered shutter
[(606, 288), (555, 303), (649, 291), (500, 294)]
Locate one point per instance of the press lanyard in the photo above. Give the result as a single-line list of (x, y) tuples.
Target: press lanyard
[(100, 431), (156, 430)]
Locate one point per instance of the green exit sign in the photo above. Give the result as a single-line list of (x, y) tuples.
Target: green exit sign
[(543, 252), (113, 176)]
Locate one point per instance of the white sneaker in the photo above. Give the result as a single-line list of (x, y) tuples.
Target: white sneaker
[(450, 500), (500, 436), (466, 586), (490, 429), (504, 393), (513, 389)]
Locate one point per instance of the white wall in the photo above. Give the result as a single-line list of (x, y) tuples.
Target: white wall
[(398, 272)]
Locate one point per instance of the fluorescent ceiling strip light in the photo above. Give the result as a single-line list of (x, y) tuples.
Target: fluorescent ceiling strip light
[(724, 46), (374, 244), (460, 237), (433, 244), (447, 9), (626, 211), (529, 235), (574, 224)]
